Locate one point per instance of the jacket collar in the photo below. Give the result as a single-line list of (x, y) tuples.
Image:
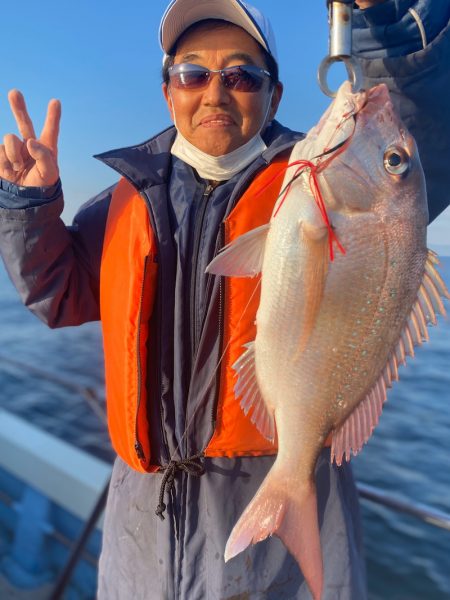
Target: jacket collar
[(148, 164)]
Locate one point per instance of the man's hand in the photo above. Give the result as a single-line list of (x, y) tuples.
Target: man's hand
[(368, 3), (30, 161)]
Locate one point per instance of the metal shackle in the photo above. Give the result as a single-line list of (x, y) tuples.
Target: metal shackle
[(340, 46)]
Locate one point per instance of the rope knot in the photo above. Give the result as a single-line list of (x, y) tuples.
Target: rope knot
[(191, 466)]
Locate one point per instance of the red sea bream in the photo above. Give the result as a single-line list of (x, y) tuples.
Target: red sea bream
[(347, 290)]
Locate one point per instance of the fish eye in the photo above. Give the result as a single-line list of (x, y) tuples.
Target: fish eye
[(396, 160)]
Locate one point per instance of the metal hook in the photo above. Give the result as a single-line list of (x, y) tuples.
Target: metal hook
[(353, 70)]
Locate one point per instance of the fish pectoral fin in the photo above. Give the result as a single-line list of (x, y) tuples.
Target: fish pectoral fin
[(350, 437), (243, 257), (315, 242), (247, 388)]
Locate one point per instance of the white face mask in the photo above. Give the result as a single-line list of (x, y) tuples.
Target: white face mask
[(220, 168)]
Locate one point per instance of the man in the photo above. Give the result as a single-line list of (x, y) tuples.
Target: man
[(136, 257)]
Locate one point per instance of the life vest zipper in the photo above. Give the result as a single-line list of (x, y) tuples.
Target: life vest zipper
[(158, 395), (137, 444)]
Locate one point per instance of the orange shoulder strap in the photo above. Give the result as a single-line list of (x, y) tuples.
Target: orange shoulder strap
[(235, 434)]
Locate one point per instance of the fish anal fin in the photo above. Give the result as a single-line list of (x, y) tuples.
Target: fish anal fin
[(247, 389), (243, 257), (355, 431)]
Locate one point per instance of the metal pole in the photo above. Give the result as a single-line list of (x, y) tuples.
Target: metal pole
[(66, 574), (425, 513)]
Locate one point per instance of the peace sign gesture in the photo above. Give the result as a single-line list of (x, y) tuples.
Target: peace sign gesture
[(31, 161)]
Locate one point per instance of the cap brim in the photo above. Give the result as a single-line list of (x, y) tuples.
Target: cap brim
[(181, 14)]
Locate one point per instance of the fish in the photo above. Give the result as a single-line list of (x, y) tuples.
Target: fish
[(348, 289)]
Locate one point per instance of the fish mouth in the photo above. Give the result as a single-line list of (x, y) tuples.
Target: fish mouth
[(345, 112), (345, 125), (339, 122)]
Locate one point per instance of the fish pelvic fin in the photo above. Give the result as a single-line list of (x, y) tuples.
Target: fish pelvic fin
[(290, 513), (251, 398), (243, 257), (356, 430)]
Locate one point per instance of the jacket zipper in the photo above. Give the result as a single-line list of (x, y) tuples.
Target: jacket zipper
[(221, 332), (137, 444), (195, 253)]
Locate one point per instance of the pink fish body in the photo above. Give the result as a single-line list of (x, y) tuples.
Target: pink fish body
[(331, 333)]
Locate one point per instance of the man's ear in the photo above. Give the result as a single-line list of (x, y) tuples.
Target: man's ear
[(168, 99), (276, 99)]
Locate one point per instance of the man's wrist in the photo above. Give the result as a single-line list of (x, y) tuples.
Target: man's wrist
[(15, 196)]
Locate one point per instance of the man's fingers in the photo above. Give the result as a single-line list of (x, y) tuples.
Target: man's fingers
[(50, 131), (19, 110), (6, 170), (14, 151), (45, 162)]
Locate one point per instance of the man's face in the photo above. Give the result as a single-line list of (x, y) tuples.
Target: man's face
[(215, 119)]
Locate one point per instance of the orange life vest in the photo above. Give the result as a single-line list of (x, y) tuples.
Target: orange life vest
[(127, 291)]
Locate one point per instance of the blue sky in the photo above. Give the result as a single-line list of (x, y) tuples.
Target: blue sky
[(102, 60)]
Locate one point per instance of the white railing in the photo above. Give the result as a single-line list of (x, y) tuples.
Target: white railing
[(65, 474)]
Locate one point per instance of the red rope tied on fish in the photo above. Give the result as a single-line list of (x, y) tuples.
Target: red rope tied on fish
[(315, 189), (329, 154)]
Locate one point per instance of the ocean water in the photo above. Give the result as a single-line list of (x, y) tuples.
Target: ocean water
[(408, 455)]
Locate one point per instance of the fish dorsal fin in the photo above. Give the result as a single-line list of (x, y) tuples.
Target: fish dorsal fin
[(350, 437), (248, 389), (243, 257)]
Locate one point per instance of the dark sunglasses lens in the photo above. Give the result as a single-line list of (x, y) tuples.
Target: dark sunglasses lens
[(242, 79), (189, 79)]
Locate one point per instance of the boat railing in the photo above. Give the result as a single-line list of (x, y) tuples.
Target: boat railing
[(367, 492), (421, 511)]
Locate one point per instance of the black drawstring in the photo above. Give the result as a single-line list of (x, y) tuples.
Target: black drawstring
[(191, 466)]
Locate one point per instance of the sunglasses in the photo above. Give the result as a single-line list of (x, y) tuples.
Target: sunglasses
[(241, 78)]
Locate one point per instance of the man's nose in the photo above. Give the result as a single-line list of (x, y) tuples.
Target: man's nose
[(216, 93)]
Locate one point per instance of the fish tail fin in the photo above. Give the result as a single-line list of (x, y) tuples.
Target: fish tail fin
[(292, 516)]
